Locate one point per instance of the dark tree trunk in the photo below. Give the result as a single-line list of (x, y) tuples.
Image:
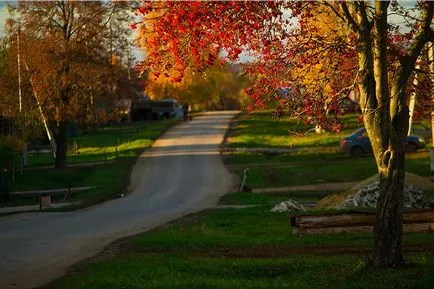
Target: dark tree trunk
[(388, 225), (62, 146), (387, 251)]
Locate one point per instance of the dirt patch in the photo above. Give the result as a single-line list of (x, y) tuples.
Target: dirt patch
[(332, 200), (285, 251), (419, 182)]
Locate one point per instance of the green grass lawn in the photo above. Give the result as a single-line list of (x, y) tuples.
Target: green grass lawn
[(316, 159), (260, 130), (109, 179), (298, 172), (174, 271), (102, 145), (244, 248)]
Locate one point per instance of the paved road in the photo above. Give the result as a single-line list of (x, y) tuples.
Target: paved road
[(181, 174)]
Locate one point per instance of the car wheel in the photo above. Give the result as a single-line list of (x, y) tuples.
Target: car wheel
[(411, 148), (357, 152)]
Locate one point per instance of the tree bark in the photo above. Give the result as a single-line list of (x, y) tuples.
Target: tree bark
[(389, 146), (388, 225)]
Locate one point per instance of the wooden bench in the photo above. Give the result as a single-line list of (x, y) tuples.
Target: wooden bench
[(45, 195)]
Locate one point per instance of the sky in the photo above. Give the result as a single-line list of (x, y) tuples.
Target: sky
[(138, 53), (3, 16)]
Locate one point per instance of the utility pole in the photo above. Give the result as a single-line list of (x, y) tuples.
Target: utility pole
[(24, 160), (431, 68), (19, 70), (44, 120)]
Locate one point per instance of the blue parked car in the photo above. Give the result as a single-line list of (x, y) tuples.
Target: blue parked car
[(357, 144)]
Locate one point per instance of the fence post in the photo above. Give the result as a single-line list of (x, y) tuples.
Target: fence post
[(22, 163), (4, 189)]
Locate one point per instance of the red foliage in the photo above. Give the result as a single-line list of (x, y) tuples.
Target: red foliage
[(287, 52)]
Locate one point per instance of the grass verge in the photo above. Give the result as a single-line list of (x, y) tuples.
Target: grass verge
[(316, 159), (260, 130), (245, 248), (110, 179)]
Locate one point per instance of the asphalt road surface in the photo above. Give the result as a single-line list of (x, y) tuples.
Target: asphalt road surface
[(182, 173)]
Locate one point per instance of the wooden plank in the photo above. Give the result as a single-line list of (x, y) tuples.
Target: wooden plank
[(408, 228), (54, 191), (354, 219), (341, 220)]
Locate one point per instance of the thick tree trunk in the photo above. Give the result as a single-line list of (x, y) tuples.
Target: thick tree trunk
[(62, 146), (388, 225), (388, 135), (391, 165)]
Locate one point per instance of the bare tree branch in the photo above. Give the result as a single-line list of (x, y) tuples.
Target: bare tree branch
[(423, 35)]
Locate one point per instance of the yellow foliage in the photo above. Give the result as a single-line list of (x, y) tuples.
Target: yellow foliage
[(13, 142), (326, 28)]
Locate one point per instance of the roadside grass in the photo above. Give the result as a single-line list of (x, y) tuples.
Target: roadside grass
[(308, 174), (260, 130), (310, 154), (315, 160), (244, 248), (110, 179), (121, 140), (297, 172)]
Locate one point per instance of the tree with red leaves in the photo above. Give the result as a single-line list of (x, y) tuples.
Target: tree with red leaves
[(288, 47)]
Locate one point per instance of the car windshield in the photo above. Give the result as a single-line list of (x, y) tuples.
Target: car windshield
[(358, 132)]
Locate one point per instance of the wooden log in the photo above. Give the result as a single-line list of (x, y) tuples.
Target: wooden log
[(419, 216), (338, 220), (408, 228), (354, 219), (331, 230)]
